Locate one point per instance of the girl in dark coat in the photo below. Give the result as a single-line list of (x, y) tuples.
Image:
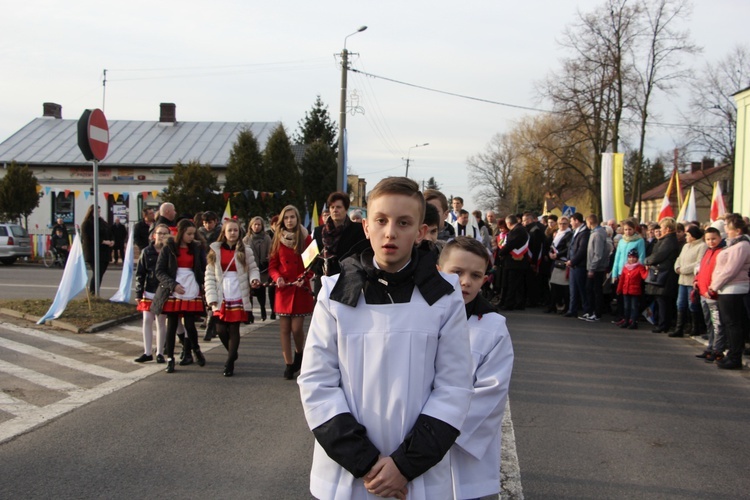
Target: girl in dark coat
[(665, 253), (146, 285), (180, 270), (106, 242)]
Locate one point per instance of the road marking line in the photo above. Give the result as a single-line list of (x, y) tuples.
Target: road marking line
[(124, 340), (38, 416), (38, 378), (15, 406), (68, 342), (510, 470), (132, 328), (74, 364)]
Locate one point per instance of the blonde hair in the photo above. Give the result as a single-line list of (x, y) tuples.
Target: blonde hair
[(300, 231)]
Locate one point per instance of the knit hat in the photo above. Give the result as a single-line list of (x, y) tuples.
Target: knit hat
[(633, 252), (695, 232)]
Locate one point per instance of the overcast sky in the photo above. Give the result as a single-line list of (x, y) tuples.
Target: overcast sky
[(266, 61)]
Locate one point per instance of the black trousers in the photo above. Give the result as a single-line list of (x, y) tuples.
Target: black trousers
[(733, 315), (103, 264)]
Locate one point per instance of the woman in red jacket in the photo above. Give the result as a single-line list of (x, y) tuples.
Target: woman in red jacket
[(294, 299), (630, 286)]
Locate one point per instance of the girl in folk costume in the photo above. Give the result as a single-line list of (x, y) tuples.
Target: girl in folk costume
[(230, 273), (146, 285), (180, 270), (260, 242), (294, 298)]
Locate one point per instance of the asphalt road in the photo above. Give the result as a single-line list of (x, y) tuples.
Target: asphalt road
[(34, 281), (597, 412)]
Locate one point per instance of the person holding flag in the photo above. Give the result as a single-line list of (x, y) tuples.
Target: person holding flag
[(294, 299)]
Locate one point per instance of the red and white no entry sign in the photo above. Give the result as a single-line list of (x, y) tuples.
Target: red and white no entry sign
[(93, 134)]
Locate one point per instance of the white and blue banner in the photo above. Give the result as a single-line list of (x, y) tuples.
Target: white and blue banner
[(126, 278), (73, 281)]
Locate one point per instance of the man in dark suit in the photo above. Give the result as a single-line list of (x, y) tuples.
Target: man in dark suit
[(515, 258), (534, 293), (577, 265)]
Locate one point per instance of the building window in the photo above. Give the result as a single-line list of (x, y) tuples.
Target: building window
[(63, 207)]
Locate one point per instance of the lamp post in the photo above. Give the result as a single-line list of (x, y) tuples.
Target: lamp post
[(408, 156), (340, 183)]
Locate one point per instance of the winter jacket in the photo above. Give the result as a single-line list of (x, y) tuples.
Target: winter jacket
[(598, 250), (261, 245), (166, 271), (145, 273), (706, 269), (621, 255), (732, 265), (689, 258), (663, 258), (247, 271), (579, 248), (87, 240), (287, 264), (631, 280)]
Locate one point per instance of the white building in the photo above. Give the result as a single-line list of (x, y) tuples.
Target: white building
[(139, 161)]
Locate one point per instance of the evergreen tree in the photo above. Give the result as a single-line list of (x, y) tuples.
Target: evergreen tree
[(281, 174), (18, 194), (245, 174), (432, 184), (191, 189), (317, 126), (318, 173)]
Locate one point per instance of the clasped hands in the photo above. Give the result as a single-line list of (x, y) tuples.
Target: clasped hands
[(385, 480)]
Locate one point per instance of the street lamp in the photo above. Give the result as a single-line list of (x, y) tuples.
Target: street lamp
[(408, 154), (340, 182)]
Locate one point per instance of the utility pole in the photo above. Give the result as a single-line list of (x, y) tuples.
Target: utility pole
[(341, 160)]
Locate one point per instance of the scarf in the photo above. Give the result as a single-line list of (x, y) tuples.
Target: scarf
[(331, 235), (559, 236), (742, 237), (288, 238), (634, 237)]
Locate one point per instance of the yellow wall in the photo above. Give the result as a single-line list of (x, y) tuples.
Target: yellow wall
[(741, 196)]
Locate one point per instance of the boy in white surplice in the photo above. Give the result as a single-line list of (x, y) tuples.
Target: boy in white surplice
[(475, 458), (386, 376)]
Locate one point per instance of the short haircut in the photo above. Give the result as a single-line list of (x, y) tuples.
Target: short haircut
[(630, 223), (431, 215), (434, 194), (529, 213), (511, 219), (593, 219), (551, 217), (668, 223), (338, 196), (466, 244), (713, 230), (463, 212), (146, 210), (210, 216), (399, 186), (737, 222), (680, 227), (577, 216), (459, 199)]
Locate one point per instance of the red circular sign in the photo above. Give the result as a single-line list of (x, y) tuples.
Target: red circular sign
[(98, 132)]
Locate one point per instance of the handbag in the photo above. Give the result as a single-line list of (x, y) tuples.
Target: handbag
[(656, 277), (560, 264)]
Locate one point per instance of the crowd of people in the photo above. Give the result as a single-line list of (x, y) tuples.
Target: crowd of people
[(395, 370), (684, 277)]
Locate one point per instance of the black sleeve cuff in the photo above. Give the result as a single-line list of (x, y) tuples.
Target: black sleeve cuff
[(345, 441), (425, 446)]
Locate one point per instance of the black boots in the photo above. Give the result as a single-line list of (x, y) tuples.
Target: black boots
[(170, 366), (199, 356), (680, 326), (229, 368), (297, 364), (289, 372), (263, 312)]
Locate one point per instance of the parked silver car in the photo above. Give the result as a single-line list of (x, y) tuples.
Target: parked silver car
[(15, 242)]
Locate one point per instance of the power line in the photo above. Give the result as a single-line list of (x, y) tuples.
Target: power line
[(526, 108)]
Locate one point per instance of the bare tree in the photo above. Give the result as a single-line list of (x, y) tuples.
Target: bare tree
[(592, 89), (491, 174), (664, 43), (713, 111)]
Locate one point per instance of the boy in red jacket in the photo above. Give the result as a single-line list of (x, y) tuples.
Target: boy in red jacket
[(630, 285), (717, 341)]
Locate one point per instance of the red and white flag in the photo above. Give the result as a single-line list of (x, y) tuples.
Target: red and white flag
[(717, 203)]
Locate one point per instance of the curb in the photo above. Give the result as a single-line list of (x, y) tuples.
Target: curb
[(112, 322), (56, 323)]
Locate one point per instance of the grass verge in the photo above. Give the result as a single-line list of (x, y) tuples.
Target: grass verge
[(76, 313)]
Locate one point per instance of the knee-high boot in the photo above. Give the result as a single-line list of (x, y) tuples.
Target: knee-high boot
[(680, 326), (185, 357)]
